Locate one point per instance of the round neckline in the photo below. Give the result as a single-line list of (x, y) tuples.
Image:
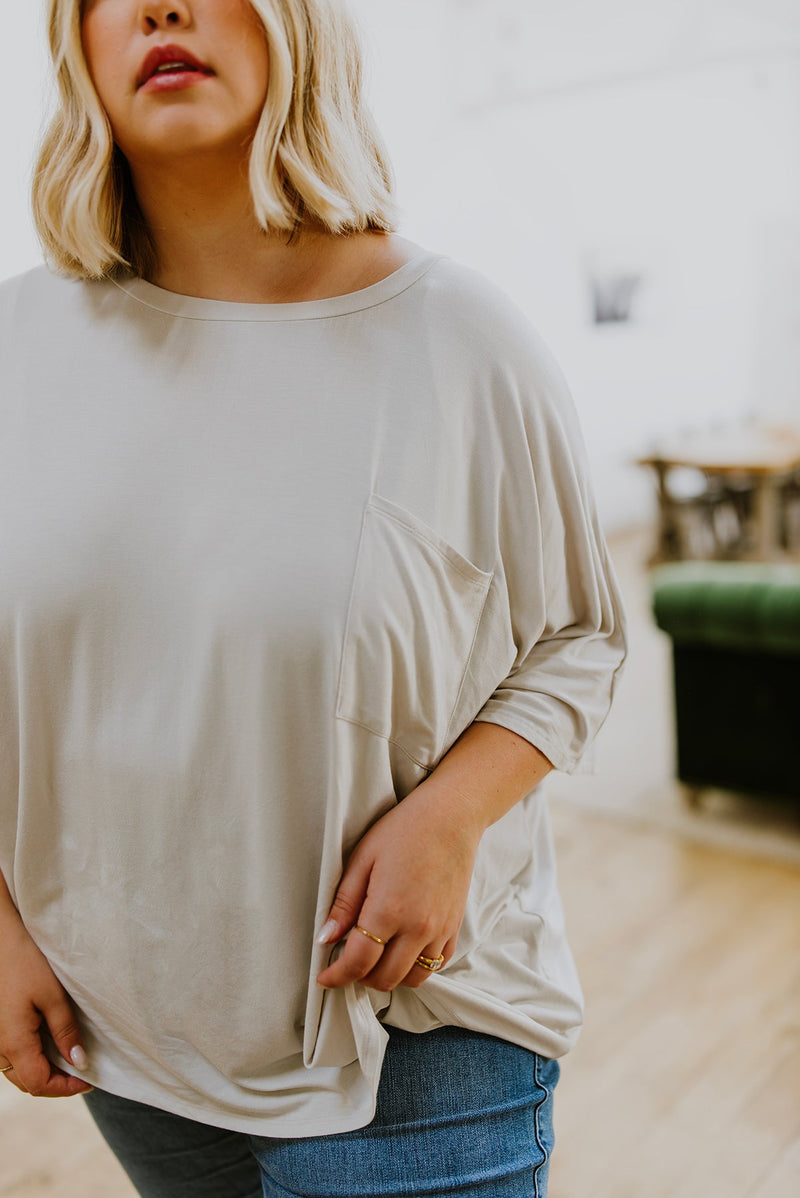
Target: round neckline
[(193, 307)]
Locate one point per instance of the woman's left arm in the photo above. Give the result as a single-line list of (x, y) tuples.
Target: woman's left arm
[(406, 881), (555, 598)]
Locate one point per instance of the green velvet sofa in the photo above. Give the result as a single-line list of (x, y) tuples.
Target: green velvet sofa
[(735, 629)]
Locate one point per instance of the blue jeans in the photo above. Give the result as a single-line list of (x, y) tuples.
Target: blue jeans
[(458, 1113)]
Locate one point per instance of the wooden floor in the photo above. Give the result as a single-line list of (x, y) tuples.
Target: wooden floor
[(686, 1081)]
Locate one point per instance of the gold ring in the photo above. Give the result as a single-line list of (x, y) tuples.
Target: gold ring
[(7, 1069), (369, 935), (430, 963)]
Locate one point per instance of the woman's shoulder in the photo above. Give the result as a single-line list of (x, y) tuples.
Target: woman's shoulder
[(40, 302), (490, 328), (474, 292), (470, 302), (36, 290), (34, 281)]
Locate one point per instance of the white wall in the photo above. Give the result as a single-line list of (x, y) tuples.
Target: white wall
[(23, 95), (531, 138)]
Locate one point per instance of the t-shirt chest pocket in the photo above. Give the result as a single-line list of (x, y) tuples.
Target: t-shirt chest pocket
[(415, 606)]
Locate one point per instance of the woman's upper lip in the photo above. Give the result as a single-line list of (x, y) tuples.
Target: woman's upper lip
[(160, 55)]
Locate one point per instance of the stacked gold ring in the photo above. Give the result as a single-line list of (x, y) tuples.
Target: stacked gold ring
[(430, 963), (7, 1069)]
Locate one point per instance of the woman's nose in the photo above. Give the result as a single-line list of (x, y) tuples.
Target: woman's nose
[(164, 14)]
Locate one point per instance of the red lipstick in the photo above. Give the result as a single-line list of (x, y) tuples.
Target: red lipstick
[(167, 68)]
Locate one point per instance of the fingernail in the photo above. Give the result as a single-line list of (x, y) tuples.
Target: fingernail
[(78, 1057), (328, 932)]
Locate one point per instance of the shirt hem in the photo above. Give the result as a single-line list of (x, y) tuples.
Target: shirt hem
[(254, 1125)]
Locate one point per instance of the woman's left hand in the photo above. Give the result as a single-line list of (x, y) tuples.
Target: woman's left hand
[(406, 884)]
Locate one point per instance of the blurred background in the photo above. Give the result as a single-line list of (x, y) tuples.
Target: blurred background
[(630, 173)]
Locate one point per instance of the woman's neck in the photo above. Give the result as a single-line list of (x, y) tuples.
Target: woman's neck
[(208, 244)]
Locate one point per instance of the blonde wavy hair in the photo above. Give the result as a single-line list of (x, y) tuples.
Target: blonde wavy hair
[(316, 154)]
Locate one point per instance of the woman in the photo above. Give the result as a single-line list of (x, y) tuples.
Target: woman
[(302, 593)]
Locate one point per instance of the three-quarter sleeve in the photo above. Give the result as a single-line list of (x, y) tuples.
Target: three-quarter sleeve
[(555, 585)]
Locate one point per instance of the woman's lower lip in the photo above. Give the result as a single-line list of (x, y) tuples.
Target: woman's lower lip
[(170, 81)]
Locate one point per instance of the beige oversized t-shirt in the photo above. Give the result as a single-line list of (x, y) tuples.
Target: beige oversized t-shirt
[(259, 566)]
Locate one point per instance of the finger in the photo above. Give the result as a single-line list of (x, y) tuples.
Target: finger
[(35, 1074), (418, 974), (55, 1084), (349, 900), (398, 965), (421, 973), (61, 1022), (359, 957)]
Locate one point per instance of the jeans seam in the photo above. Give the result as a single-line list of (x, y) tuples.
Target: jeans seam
[(536, 1125)]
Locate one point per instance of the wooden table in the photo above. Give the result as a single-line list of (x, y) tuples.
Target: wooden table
[(759, 456)]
